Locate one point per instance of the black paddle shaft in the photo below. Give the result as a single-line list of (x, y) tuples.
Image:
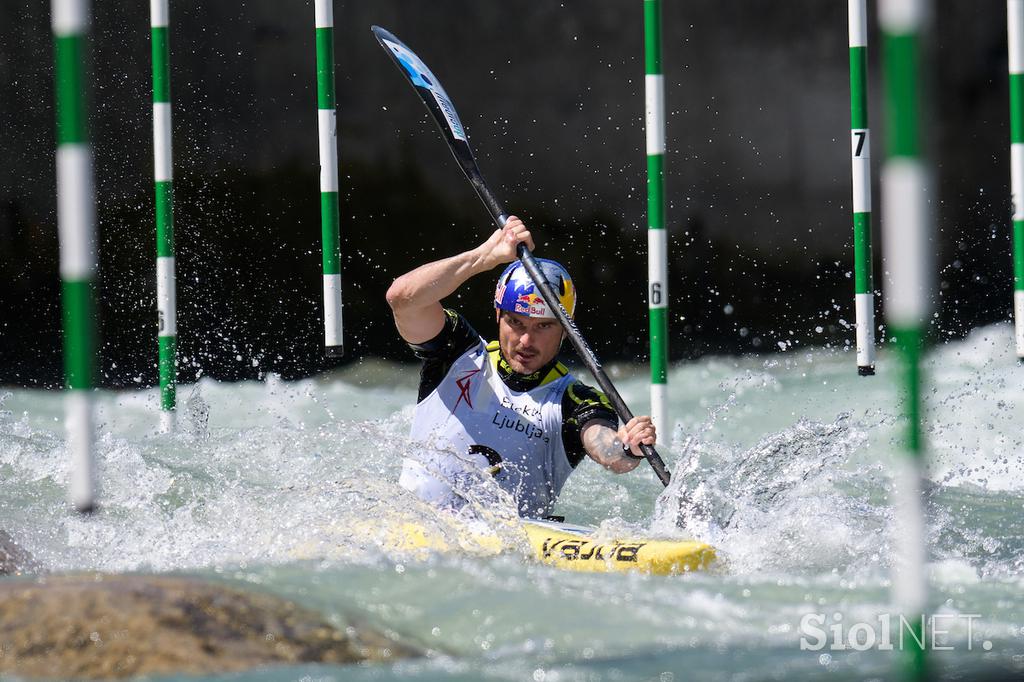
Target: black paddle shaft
[(443, 111)]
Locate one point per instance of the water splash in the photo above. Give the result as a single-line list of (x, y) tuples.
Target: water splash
[(786, 461), (766, 507)]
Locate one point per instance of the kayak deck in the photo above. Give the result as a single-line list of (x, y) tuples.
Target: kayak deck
[(564, 546), (579, 549)]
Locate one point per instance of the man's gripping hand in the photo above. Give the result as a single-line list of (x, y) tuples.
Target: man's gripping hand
[(618, 449), (639, 430), (500, 247)]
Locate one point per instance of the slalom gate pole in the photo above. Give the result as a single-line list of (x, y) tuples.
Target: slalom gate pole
[(860, 138), (76, 228), (329, 214), (166, 306), (1015, 44), (907, 189), (657, 244)]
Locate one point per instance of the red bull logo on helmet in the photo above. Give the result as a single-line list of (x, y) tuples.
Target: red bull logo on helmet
[(516, 292), (531, 304)]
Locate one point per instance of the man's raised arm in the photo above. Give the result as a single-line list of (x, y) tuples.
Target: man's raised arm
[(415, 297)]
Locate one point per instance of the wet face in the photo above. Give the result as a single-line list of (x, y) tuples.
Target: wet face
[(528, 343)]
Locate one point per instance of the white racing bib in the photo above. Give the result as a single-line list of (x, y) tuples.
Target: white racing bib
[(473, 425)]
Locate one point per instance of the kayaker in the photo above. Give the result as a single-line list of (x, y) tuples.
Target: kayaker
[(507, 408)]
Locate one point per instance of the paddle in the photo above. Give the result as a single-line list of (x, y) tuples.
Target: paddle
[(441, 108)]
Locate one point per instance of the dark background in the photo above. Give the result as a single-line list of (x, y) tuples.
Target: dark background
[(551, 93)]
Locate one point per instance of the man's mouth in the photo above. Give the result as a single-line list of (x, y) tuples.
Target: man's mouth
[(524, 356)]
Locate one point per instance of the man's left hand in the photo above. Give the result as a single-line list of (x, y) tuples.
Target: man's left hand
[(639, 430)]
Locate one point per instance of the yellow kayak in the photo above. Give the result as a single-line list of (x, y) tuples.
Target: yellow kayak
[(565, 546), (577, 548)]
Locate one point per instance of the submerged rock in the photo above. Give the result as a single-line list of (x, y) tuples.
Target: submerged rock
[(13, 559), (114, 626)]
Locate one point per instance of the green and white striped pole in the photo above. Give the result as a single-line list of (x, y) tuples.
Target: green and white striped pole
[(657, 243), (327, 118), (860, 138), (76, 228), (1015, 42), (907, 242), (166, 308)]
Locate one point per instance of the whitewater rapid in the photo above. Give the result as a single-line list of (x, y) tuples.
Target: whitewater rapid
[(782, 462)]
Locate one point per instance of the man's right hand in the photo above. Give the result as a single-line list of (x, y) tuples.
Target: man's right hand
[(415, 297), (501, 246)]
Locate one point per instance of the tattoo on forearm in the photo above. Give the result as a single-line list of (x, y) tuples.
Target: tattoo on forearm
[(602, 440)]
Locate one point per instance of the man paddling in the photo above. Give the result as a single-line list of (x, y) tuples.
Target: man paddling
[(507, 408)]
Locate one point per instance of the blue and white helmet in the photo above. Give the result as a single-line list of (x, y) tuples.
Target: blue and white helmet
[(516, 292)]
